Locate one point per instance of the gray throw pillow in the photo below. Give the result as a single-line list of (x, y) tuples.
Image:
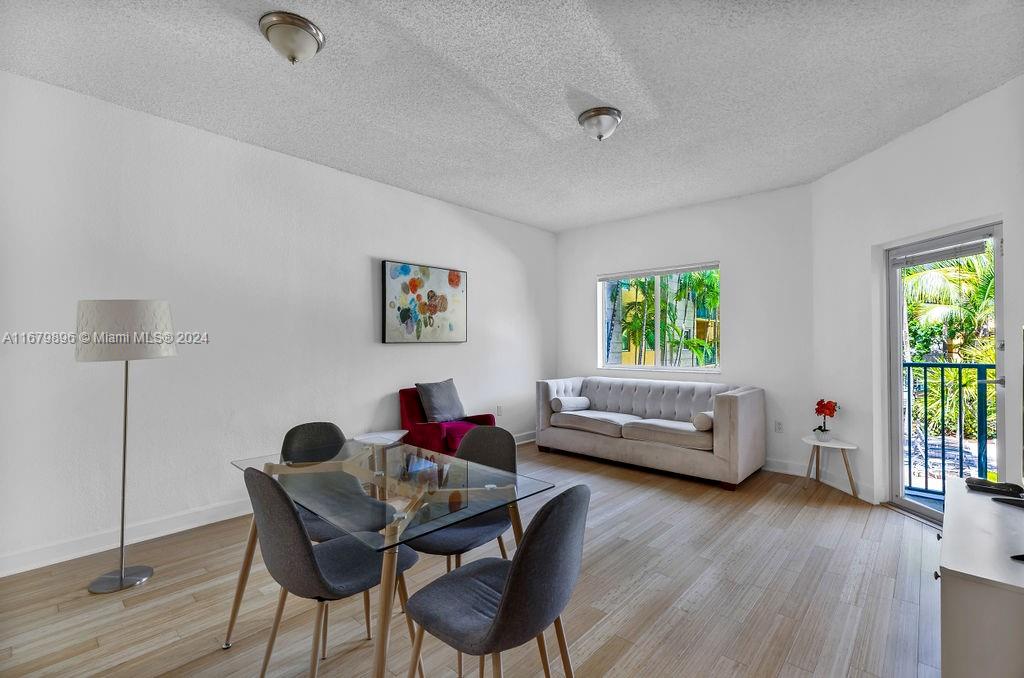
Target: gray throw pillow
[(704, 421), (441, 401), (570, 403)]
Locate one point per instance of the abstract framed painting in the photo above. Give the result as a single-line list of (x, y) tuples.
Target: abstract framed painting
[(423, 304)]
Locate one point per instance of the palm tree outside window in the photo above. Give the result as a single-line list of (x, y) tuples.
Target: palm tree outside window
[(665, 319)]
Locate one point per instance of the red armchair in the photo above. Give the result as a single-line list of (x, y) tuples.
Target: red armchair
[(439, 436)]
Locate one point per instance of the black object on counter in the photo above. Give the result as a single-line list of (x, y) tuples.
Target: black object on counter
[(985, 485)]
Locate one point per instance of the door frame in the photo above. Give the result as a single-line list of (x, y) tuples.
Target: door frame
[(986, 228)]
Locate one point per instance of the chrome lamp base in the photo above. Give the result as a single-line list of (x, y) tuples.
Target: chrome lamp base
[(115, 581)]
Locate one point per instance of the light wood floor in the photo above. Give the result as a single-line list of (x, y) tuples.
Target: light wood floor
[(680, 578)]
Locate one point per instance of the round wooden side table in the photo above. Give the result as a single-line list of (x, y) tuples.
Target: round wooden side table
[(815, 460)]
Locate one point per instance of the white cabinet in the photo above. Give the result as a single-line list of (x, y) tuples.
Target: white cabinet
[(982, 588)]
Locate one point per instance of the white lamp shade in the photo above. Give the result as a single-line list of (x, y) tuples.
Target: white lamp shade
[(124, 329)]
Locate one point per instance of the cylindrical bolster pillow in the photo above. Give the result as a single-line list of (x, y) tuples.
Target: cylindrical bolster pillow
[(570, 404), (704, 421)]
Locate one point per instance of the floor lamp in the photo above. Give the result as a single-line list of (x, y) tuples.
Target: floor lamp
[(123, 330)]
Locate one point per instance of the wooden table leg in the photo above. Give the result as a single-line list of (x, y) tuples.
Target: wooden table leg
[(517, 522), (501, 547), (403, 599), (563, 648), (243, 578), (849, 474), (817, 463), (810, 462), (388, 574)]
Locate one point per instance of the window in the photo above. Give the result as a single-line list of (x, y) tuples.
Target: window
[(666, 319)]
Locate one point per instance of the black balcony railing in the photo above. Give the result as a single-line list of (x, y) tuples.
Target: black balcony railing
[(964, 402)]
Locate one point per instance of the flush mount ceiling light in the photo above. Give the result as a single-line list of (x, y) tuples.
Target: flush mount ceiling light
[(600, 122), (294, 37)]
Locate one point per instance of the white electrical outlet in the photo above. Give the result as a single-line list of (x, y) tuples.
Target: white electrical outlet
[(499, 410), (778, 426)]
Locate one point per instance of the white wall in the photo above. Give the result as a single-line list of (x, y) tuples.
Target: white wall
[(277, 258), (965, 166), (763, 244)]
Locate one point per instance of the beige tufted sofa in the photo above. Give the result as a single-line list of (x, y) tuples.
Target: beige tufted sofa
[(652, 423)]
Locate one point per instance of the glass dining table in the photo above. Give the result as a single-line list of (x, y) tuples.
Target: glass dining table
[(395, 491)]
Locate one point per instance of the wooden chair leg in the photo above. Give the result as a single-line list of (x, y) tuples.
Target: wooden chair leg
[(417, 647), (482, 667), (323, 632), (458, 665), (448, 560), (517, 522), (273, 631), (563, 648), (543, 654), (243, 578), (403, 598), (501, 547), (458, 560), (314, 656), (366, 612), (496, 665)]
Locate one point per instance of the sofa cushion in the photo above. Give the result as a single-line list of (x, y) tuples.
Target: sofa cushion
[(680, 433), (441, 401), (594, 421), (652, 399), (455, 431), (570, 404), (704, 421)]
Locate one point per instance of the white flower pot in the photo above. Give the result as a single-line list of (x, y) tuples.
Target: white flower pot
[(823, 436)]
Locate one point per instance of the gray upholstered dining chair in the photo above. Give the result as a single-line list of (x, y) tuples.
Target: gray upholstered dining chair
[(320, 441), (311, 442), (492, 605), (490, 446), (328, 571)]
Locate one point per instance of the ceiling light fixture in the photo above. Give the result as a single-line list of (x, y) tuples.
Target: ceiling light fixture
[(294, 37), (600, 122)]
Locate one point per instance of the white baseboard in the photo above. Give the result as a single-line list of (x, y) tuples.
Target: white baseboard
[(829, 476), (527, 437), (56, 552)]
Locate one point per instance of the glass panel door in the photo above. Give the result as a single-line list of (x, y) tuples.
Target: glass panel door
[(945, 381)]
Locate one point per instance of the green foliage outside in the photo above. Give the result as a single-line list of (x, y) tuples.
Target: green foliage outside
[(684, 298), (951, 319)]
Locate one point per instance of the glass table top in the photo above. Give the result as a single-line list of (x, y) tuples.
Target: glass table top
[(399, 491)]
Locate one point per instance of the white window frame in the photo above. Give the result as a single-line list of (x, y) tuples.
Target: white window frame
[(647, 273)]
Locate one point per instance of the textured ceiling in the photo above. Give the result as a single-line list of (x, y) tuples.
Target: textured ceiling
[(475, 101)]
